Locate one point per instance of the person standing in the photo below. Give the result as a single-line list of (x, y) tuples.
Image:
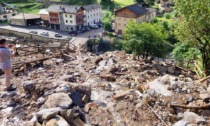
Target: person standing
[(5, 63)]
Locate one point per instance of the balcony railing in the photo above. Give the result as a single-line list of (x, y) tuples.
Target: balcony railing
[(54, 17)]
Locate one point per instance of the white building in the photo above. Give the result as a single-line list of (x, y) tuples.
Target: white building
[(6, 13), (93, 14)]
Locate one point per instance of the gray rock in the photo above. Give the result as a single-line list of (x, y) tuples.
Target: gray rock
[(49, 115), (190, 98), (111, 61), (181, 123), (50, 110), (171, 70), (193, 118), (58, 100), (174, 86), (68, 115), (180, 115), (11, 104), (63, 88), (103, 63), (28, 85), (40, 101), (57, 121), (4, 94), (13, 93)]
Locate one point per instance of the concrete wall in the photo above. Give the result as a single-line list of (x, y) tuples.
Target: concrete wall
[(19, 22), (30, 36)]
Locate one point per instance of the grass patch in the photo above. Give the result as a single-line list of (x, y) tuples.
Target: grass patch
[(123, 3), (32, 8)]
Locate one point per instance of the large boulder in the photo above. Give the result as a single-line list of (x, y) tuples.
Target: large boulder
[(58, 100), (57, 121)]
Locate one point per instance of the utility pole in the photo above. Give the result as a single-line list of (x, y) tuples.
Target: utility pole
[(24, 19)]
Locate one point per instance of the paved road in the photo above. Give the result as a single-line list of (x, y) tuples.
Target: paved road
[(79, 40), (51, 32)]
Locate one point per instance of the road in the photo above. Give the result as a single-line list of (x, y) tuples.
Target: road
[(80, 39)]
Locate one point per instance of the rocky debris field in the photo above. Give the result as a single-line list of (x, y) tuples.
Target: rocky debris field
[(112, 89)]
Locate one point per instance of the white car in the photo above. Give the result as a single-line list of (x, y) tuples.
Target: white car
[(45, 33), (94, 26)]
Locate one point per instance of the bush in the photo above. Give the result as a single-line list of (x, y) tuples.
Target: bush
[(154, 20), (167, 15)]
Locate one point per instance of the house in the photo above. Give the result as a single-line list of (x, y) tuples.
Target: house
[(24, 19), (6, 12), (135, 13), (66, 17), (165, 5), (93, 14), (44, 14)]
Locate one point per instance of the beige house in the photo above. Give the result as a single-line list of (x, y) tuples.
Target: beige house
[(135, 13)]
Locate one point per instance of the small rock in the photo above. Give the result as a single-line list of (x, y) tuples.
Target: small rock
[(57, 121), (121, 95), (58, 100), (181, 123), (63, 88), (4, 94), (174, 86), (29, 123), (49, 115), (171, 70), (11, 104), (40, 101), (28, 85), (68, 115), (190, 98), (103, 63), (180, 116), (193, 118)]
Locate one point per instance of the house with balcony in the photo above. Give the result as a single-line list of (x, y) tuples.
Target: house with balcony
[(93, 14), (6, 12), (165, 5), (135, 13), (66, 17)]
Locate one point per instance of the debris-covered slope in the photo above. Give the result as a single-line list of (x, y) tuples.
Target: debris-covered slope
[(112, 89)]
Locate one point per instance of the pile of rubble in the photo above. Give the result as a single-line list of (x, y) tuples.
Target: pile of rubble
[(112, 89)]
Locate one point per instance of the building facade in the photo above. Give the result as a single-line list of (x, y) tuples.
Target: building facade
[(93, 14), (135, 13), (66, 17), (6, 13)]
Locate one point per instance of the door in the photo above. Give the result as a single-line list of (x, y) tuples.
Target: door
[(119, 31)]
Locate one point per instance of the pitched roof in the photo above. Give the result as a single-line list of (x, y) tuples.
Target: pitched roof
[(25, 16), (92, 6), (138, 9), (63, 8), (43, 11)]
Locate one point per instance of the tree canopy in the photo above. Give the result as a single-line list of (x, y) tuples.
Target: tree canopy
[(193, 27), (145, 39)]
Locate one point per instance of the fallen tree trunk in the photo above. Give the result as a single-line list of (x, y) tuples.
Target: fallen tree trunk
[(204, 79), (191, 107)]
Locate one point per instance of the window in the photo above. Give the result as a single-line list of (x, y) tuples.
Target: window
[(124, 13), (66, 21), (13, 14), (71, 21), (70, 16), (124, 24), (67, 28), (66, 15)]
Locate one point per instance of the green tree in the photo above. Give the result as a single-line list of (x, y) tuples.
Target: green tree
[(193, 27), (145, 39)]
